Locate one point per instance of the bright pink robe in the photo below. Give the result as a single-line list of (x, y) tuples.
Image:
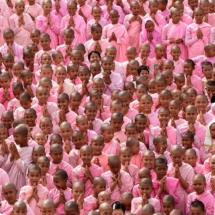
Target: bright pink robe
[(86, 10)]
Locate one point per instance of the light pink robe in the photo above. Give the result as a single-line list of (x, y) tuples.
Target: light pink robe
[(122, 39), (74, 158), (3, 179), (13, 104), (187, 173), (3, 26), (199, 168), (133, 172), (78, 173), (179, 66), (127, 184), (195, 45), (186, 19), (103, 160), (42, 193), (111, 147), (62, 49), (86, 10), (34, 10), (53, 30)]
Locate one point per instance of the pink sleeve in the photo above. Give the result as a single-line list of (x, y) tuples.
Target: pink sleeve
[(23, 194), (165, 40), (63, 25), (13, 25), (41, 24), (29, 24), (189, 40)]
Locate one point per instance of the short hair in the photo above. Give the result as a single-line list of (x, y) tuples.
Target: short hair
[(197, 203)]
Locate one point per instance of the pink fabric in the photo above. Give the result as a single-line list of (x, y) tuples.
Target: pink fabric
[(103, 160), (142, 146), (10, 93), (3, 179), (89, 203), (42, 193), (13, 104), (122, 39), (179, 66), (87, 11), (120, 135), (206, 198), (62, 11), (4, 25), (133, 172), (193, 42), (74, 158), (166, 154), (111, 147), (199, 168), (34, 10), (53, 30), (186, 19), (19, 112), (187, 173), (78, 173), (137, 160), (106, 99), (54, 195), (127, 184)]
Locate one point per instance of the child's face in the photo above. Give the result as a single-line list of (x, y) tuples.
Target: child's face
[(144, 52), (161, 144), (75, 101), (169, 78), (45, 42), (192, 95), (212, 165), (47, 210), (86, 156), (161, 85), (193, 4), (210, 90), (135, 148), (165, 100), (68, 38), (153, 8), (143, 174), (115, 168), (9, 194), (187, 141), (133, 70), (186, 101), (177, 158), (73, 73), (129, 88), (145, 105), (116, 123), (99, 86), (3, 134), (159, 52), (152, 88), (7, 121), (163, 117), (191, 116), (66, 132), (62, 103), (97, 34), (125, 157), (97, 146), (34, 177), (108, 134), (29, 58), (4, 82), (46, 127), (71, 211), (167, 207), (176, 16), (42, 96), (37, 154), (174, 110), (201, 103), (59, 182), (199, 185), (57, 155), (114, 17), (27, 79), (141, 124), (150, 26), (40, 139), (72, 8), (46, 59), (140, 92), (94, 70), (96, 13), (161, 170), (76, 59), (145, 189), (148, 161), (83, 125), (35, 37), (130, 132), (207, 71), (127, 203), (47, 8), (8, 63), (77, 191), (107, 65), (135, 9), (20, 7), (144, 73), (60, 75), (91, 112), (196, 211), (191, 159), (30, 119), (44, 166), (94, 58), (205, 7), (104, 198), (17, 69), (84, 75), (19, 138), (96, 98), (212, 130), (130, 54), (58, 58), (33, 48), (19, 210), (17, 92), (188, 69), (175, 54), (9, 39), (99, 187)]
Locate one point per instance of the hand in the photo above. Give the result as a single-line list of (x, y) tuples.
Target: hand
[(113, 37), (30, 91), (191, 128), (96, 161), (172, 41), (62, 115), (126, 166), (164, 131), (4, 149), (80, 201), (109, 6), (57, 168), (161, 185), (88, 174), (144, 200), (150, 36), (60, 88), (90, 124), (71, 22), (177, 172), (97, 47), (161, 150), (141, 137), (114, 177), (142, 11), (84, 89), (9, 3), (205, 18), (173, 123), (85, 137), (119, 3), (67, 146), (31, 66), (57, 5), (178, 41), (62, 197), (43, 181), (10, 50), (14, 152), (68, 50), (80, 12), (45, 112), (160, 66), (189, 81), (106, 78), (199, 34)]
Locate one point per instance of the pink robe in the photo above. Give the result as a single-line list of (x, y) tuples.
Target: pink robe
[(195, 45), (61, 12), (54, 195), (13, 104), (53, 30), (136, 159), (89, 204), (17, 49), (187, 174), (64, 166), (42, 193), (134, 30), (78, 173), (133, 172), (3, 26), (179, 66), (3, 179), (23, 30), (127, 184), (34, 10), (112, 147), (212, 35), (7, 209), (186, 19), (122, 39), (79, 30), (74, 158), (166, 154), (86, 10), (103, 160), (199, 169), (136, 205), (90, 44), (62, 49), (176, 31), (206, 198), (17, 168), (5, 12), (120, 135)]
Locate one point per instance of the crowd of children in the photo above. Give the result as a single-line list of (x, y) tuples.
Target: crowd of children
[(107, 107)]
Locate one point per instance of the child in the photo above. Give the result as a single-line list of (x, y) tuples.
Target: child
[(86, 171), (19, 158), (72, 71), (145, 187), (131, 73), (150, 35), (117, 35), (199, 185), (100, 158), (104, 196), (7, 120), (48, 23), (33, 9), (74, 154), (171, 35), (75, 101), (35, 33), (96, 43), (47, 206), (26, 78), (61, 193), (162, 184), (34, 193), (164, 99), (197, 206), (191, 79), (117, 181), (56, 152), (125, 157), (178, 62), (199, 29), (182, 171), (8, 62), (159, 59), (46, 179), (133, 23), (21, 206), (192, 125), (111, 146), (191, 158), (78, 190), (207, 69), (22, 24), (71, 207), (168, 204)]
